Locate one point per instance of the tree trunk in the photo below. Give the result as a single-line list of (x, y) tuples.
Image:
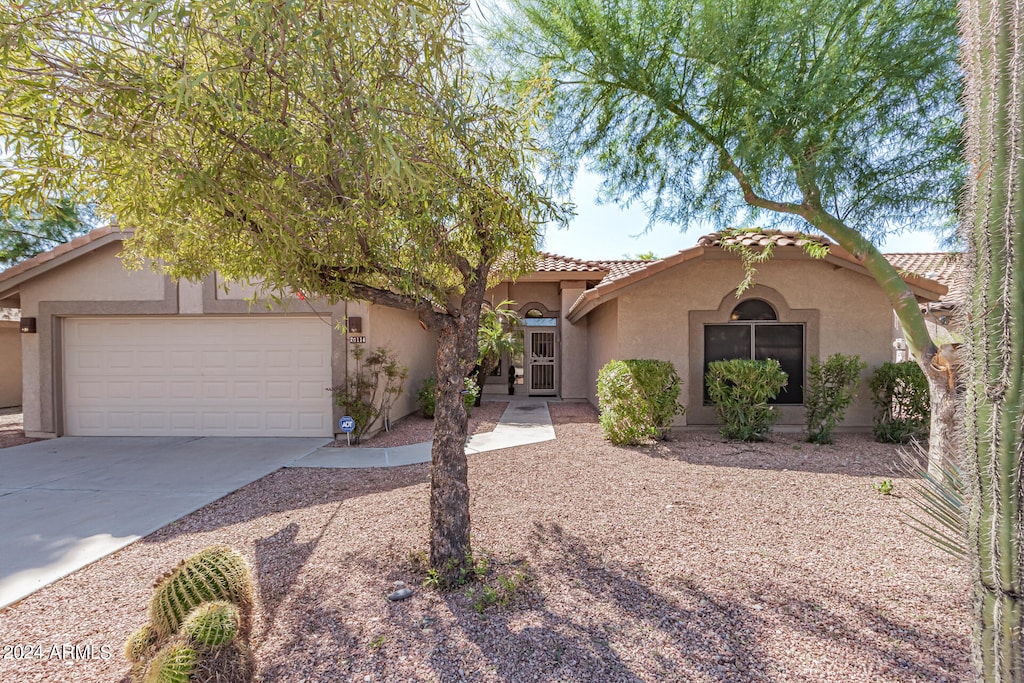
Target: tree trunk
[(992, 55), (450, 550), (942, 433), (451, 554), (938, 369)]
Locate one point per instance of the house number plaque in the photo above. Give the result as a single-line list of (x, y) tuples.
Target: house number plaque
[(353, 339)]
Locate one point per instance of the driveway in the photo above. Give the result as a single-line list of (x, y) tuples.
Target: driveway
[(65, 503)]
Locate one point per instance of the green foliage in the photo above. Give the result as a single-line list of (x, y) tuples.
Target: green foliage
[(899, 392), (212, 624), (721, 110), (884, 487), (426, 397), (22, 237), (500, 333), (638, 400), (372, 389), (740, 390), (831, 387)]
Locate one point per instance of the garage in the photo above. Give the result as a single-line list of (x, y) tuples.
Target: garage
[(197, 376)]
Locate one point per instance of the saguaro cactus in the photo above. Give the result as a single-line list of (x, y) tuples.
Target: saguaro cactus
[(994, 229)]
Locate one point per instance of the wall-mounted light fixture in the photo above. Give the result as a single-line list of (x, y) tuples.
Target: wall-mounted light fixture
[(28, 326), (355, 325)]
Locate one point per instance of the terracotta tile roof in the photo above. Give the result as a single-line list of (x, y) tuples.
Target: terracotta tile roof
[(943, 267), (761, 238), (553, 263), (622, 268)]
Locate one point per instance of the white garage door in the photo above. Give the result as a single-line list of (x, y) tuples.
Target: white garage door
[(259, 376)]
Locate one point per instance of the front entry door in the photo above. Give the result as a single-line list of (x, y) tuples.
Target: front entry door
[(541, 362)]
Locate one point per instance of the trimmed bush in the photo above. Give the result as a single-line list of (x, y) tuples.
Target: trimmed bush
[(902, 404), (740, 390), (831, 387), (368, 394), (426, 397), (638, 399)]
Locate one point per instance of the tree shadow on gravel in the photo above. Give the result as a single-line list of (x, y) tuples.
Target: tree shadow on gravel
[(852, 454), (291, 489), (581, 648)]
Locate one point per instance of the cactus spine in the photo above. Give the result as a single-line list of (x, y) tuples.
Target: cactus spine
[(993, 228)]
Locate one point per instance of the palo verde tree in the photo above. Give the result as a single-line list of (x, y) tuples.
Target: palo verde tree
[(339, 149), (838, 116), (993, 226)]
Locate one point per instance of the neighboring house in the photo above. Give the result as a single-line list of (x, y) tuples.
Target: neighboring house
[(941, 315), (119, 352), (10, 358), (134, 353)]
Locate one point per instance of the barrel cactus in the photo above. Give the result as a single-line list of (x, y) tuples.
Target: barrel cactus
[(200, 618), (215, 573)]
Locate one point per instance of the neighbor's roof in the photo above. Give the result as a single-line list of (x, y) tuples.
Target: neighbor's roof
[(629, 273), (943, 267)]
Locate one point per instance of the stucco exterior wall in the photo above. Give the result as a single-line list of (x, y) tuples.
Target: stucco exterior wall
[(544, 293), (97, 276), (10, 364), (415, 348), (573, 340), (603, 343), (848, 310)]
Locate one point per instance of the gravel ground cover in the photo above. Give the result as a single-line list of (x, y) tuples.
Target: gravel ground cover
[(12, 431), (691, 560)]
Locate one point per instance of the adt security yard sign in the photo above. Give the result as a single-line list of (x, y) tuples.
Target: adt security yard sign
[(347, 425)]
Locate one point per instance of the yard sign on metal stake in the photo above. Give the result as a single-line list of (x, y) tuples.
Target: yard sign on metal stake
[(346, 424)]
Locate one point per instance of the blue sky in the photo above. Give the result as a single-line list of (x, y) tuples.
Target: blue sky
[(604, 231)]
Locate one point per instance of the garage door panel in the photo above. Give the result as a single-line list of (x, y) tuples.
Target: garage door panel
[(246, 377)]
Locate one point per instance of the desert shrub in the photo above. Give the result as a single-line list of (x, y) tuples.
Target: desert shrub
[(638, 399), (369, 393), (831, 387), (426, 397), (900, 394), (740, 390)]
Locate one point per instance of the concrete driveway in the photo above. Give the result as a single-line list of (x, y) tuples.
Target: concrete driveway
[(65, 503)]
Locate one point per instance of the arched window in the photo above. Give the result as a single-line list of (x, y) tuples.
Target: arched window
[(753, 309), (754, 332)]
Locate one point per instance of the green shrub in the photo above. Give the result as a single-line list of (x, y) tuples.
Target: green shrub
[(426, 397), (740, 390), (638, 399), (900, 394), (368, 393), (831, 387)]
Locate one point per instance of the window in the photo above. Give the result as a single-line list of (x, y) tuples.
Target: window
[(754, 332)]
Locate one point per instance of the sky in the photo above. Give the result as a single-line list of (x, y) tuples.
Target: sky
[(604, 231)]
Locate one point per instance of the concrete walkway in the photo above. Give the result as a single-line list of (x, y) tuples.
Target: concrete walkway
[(523, 422)]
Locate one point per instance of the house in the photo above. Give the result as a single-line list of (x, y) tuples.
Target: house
[(134, 353), (120, 352), (684, 309)]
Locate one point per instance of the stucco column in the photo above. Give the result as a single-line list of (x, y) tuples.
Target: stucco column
[(573, 345)]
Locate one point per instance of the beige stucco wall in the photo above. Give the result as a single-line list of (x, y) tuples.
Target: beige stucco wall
[(544, 293), (573, 340), (96, 276), (853, 316), (415, 348), (10, 364), (603, 345)]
